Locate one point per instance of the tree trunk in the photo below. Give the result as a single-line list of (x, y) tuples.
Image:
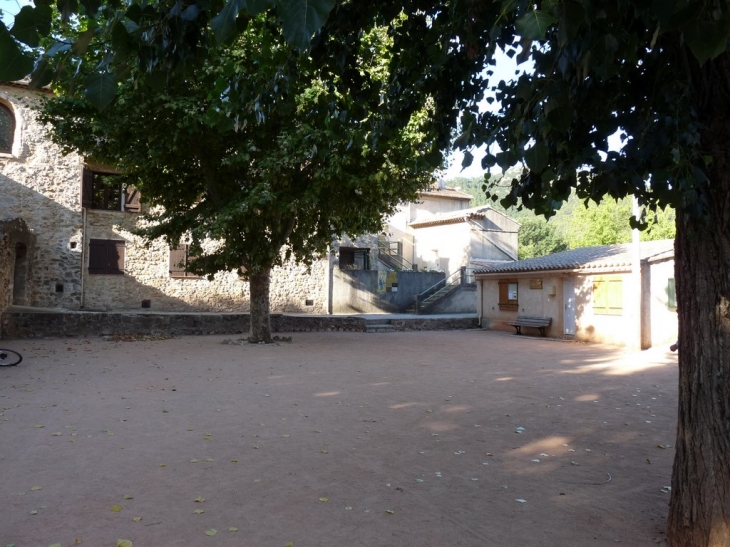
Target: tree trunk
[(260, 322), (699, 511)]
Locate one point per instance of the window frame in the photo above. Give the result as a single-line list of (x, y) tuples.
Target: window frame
[(607, 296), (671, 293), (127, 195), (112, 258), (506, 286)]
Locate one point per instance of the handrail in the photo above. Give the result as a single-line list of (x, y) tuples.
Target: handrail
[(391, 249), (464, 274)]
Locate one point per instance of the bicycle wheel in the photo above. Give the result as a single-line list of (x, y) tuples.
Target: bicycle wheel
[(9, 358)]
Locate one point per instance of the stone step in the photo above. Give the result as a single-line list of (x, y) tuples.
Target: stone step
[(380, 327)]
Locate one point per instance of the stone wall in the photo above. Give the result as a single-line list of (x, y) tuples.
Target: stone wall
[(19, 324), (41, 186)]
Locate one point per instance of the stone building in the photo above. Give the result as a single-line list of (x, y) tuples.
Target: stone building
[(66, 239)]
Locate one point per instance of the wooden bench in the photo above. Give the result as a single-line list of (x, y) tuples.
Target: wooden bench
[(524, 321)]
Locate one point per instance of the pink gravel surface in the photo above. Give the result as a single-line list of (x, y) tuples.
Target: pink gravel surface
[(460, 438)]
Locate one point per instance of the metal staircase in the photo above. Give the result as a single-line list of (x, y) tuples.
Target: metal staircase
[(390, 254)]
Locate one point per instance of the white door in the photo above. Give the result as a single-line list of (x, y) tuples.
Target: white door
[(569, 306)]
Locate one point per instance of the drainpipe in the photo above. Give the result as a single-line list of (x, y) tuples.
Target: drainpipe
[(83, 253), (480, 297)]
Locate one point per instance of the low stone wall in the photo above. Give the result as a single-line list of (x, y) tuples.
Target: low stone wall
[(61, 323)]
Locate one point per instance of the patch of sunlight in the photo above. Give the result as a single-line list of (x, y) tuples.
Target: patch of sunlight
[(456, 408), (441, 427), (504, 379), (543, 445), (327, 394), (622, 367), (404, 405), (587, 398), (380, 384)]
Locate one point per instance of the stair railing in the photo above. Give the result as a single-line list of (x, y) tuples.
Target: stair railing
[(462, 276), (390, 253)]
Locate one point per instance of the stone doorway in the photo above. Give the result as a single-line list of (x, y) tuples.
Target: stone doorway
[(20, 275)]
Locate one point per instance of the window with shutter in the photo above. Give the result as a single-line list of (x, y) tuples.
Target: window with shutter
[(608, 298), (180, 260), (104, 191), (508, 294), (106, 256)]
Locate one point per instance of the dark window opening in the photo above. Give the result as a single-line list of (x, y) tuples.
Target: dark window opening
[(7, 129), (146, 303), (106, 256), (309, 302), (59, 287), (180, 260), (352, 258), (104, 191)]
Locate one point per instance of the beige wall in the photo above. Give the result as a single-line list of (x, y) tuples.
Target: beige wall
[(534, 302), (663, 324)]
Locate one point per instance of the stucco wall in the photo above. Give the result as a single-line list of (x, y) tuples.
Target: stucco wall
[(533, 302), (357, 291), (663, 322)]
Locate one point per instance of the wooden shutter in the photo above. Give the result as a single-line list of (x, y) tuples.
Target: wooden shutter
[(131, 200), (504, 302), (177, 262), (87, 188), (608, 298), (97, 256), (116, 257)]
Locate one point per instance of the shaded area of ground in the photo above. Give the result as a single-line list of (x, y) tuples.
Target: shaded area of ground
[(405, 439)]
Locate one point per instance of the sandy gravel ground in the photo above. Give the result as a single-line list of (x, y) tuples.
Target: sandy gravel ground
[(462, 438)]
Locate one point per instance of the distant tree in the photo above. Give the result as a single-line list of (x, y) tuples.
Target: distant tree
[(539, 237), (600, 224)]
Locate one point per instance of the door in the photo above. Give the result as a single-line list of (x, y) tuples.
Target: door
[(569, 306)]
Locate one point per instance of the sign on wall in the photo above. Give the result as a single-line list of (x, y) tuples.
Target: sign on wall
[(536, 283)]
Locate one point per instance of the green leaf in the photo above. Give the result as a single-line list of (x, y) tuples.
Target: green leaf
[(559, 112), (31, 23), (211, 532), (14, 65), (42, 74), (224, 24), (300, 19), (82, 42), (468, 159), (101, 88), (257, 6), (707, 40), (124, 543), (534, 25), (537, 158)]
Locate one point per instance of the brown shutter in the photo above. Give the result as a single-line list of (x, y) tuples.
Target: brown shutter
[(97, 256), (177, 262), (116, 257), (131, 200), (87, 188), (503, 292)]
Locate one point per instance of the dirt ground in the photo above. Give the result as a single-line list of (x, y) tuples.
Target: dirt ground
[(461, 438)]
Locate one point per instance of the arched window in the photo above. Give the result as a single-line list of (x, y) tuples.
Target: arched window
[(7, 129)]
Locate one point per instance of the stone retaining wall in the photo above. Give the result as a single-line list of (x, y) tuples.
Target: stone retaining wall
[(53, 324)]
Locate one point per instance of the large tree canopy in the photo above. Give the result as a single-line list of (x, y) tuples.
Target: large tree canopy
[(252, 165)]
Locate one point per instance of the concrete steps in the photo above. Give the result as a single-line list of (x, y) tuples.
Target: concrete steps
[(379, 325)]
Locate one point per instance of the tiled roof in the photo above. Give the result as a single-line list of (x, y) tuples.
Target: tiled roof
[(606, 257), (462, 215), (446, 192)]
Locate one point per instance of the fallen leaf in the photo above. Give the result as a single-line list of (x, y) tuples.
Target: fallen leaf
[(325, 451), (208, 459), (234, 460), (289, 544), (199, 511), (257, 480), (34, 512), (323, 498), (190, 428), (136, 519), (124, 543), (348, 508), (390, 511), (128, 497), (57, 434), (116, 508), (56, 545), (575, 463), (232, 529), (163, 465), (199, 499), (37, 488), (211, 532), (520, 500), (194, 460), (39, 426)]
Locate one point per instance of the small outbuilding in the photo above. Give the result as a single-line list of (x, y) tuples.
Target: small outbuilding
[(588, 294)]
